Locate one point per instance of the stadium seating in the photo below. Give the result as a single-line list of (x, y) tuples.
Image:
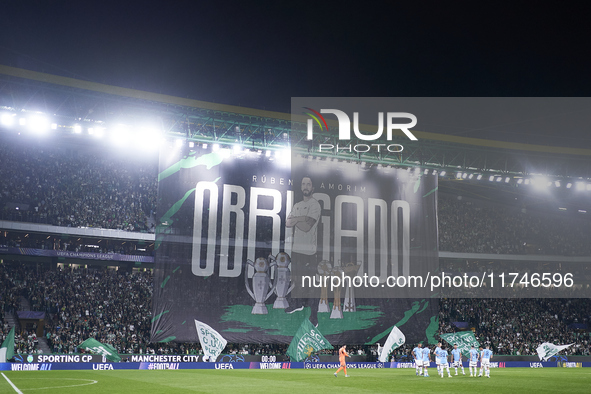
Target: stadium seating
[(40, 184)]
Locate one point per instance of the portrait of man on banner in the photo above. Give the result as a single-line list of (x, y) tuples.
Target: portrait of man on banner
[(304, 218)]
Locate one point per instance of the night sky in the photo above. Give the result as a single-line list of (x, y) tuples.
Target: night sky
[(261, 55)]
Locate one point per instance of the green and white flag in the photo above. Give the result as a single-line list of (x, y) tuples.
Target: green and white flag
[(395, 339), (464, 340), (211, 341), (306, 341), (107, 351), (547, 350), (7, 348)]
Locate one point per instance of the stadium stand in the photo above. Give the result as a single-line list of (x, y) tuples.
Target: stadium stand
[(114, 307), (53, 185), (70, 187), (65, 187), (518, 326), (470, 228)]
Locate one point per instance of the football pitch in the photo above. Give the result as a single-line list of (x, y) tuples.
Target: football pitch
[(510, 380)]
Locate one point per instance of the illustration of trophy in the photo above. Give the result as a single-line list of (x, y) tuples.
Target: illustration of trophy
[(260, 284), (283, 279), (337, 310), (351, 269), (324, 269)]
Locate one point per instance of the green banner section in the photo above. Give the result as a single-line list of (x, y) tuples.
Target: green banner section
[(104, 350), (306, 341), (464, 340)]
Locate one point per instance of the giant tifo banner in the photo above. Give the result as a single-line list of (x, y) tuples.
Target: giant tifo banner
[(238, 231)]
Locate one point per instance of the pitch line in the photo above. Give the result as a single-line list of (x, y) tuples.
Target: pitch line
[(12, 384)]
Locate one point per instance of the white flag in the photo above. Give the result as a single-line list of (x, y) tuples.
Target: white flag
[(211, 341), (547, 350), (395, 339)]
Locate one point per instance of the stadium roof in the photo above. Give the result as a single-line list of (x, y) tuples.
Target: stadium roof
[(74, 100)]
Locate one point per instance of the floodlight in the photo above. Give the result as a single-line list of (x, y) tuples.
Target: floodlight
[(77, 129), (7, 120), (38, 124), (225, 153), (98, 131)]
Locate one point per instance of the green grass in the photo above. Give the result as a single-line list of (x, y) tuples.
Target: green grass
[(510, 380)]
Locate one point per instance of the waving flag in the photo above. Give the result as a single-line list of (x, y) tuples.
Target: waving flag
[(306, 340), (547, 350), (395, 339), (107, 351), (7, 348), (211, 341)]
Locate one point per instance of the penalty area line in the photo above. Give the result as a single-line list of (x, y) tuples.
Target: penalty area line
[(12, 384)]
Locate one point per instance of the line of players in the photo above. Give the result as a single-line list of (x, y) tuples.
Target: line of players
[(422, 357)]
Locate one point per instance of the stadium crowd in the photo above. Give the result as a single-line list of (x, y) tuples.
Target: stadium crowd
[(114, 307), (466, 227), (518, 326), (43, 184), (75, 189), (61, 187)]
